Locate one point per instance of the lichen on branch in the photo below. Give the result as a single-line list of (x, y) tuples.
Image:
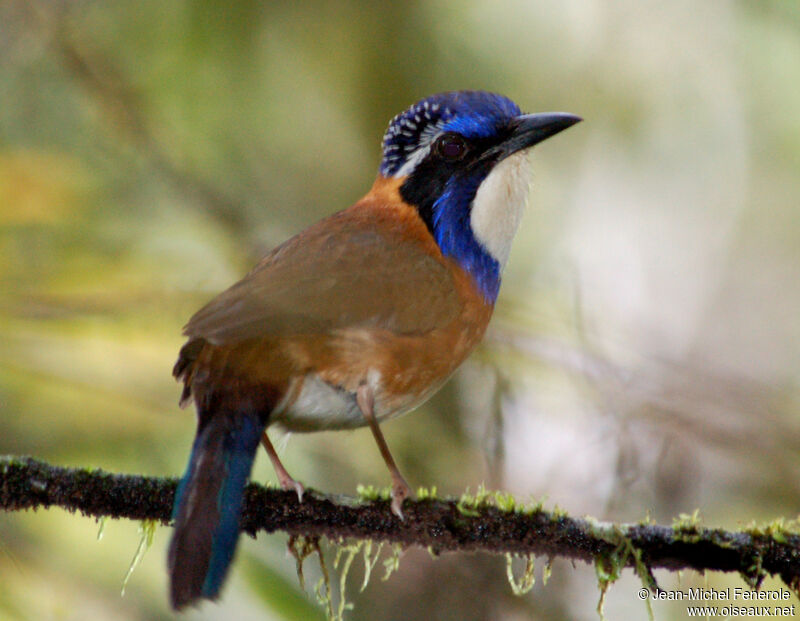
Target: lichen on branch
[(487, 521)]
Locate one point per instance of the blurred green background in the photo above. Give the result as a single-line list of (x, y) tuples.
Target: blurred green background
[(644, 352)]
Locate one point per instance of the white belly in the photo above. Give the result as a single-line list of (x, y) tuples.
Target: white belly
[(319, 406)]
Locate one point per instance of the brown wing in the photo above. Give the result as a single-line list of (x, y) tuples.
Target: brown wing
[(357, 268)]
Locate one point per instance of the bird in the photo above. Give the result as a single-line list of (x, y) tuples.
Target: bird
[(357, 319)]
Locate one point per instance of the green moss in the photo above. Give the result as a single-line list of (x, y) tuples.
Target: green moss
[(547, 572), (345, 553), (147, 529), (526, 581), (754, 574), (301, 548), (505, 502), (392, 564), (687, 526), (778, 530), (424, 493), (370, 560), (609, 565), (370, 493), (608, 568), (558, 513), (469, 504), (534, 506), (101, 527)]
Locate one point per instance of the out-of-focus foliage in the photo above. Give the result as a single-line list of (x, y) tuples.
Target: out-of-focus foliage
[(644, 354)]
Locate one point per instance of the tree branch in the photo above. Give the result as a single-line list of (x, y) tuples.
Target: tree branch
[(122, 108), (489, 522)]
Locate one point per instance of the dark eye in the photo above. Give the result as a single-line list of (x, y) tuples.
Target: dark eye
[(451, 146)]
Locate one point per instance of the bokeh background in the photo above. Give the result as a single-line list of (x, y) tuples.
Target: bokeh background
[(643, 358)]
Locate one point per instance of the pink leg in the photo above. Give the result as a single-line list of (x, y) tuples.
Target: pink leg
[(400, 489), (286, 481)]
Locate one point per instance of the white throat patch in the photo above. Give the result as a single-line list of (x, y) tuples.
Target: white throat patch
[(499, 203)]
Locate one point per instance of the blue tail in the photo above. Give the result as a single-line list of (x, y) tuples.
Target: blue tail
[(208, 504)]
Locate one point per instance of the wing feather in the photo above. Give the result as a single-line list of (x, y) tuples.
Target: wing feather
[(346, 271)]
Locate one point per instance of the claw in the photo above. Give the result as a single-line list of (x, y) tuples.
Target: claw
[(400, 491), (288, 483)]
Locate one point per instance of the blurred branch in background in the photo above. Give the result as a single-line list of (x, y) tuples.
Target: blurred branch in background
[(706, 403), (111, 93), (489, 522)]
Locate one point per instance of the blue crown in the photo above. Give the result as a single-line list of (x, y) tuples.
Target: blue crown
[(473, 114)]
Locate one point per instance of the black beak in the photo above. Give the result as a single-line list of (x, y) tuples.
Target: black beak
[(530, 129)]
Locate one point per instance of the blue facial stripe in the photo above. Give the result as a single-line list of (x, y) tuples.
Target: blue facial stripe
[(471, 126), (454, 235), (482, 121), (477, 116)]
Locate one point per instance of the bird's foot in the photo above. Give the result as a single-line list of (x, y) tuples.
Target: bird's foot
[(400, 491), (288, 483), (284, 478)]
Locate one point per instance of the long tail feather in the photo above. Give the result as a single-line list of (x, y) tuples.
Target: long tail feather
[(208, 504)]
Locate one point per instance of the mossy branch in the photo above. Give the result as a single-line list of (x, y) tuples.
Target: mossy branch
[(491, 522)]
